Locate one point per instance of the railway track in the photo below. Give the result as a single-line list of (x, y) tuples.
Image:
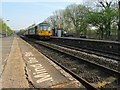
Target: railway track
[(110, 63), (110, 55), (87, 72)]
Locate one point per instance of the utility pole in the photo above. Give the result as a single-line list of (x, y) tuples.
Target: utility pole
[(119, 37), (6, 29), (119, 21)]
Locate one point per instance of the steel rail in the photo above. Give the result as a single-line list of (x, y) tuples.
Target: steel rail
[(84, 82), (80, 79), (110, 55), (89, 62)]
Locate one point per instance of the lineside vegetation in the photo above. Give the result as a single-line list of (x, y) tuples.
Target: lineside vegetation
[(99, 21), (3, 28)]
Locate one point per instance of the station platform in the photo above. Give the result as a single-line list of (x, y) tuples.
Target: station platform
[(26, 67)]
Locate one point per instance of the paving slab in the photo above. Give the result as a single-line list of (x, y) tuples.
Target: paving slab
[(42, 72)]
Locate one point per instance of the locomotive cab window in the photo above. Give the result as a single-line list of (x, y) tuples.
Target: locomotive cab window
[(44, 27), (48, 28)]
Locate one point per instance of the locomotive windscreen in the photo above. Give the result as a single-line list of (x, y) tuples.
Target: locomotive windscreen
[(45, 26)]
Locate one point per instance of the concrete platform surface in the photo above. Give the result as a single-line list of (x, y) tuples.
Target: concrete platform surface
[(5, 48), (26, 67), (13, 75), (42, 72)]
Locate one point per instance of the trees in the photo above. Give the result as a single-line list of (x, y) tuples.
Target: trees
[(77, 18), (95, 18), (21, 32), (72, 19), (103, 18), (3, 28), (109, 15), (74, 16)]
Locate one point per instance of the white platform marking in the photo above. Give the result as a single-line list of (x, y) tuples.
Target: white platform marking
[(32, 60), (40, 73), (27, 54)]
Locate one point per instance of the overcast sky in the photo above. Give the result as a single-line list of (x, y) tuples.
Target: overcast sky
[(22, 13)]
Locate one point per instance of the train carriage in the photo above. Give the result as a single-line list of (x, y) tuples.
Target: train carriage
[(44, 30), (40, 31)]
